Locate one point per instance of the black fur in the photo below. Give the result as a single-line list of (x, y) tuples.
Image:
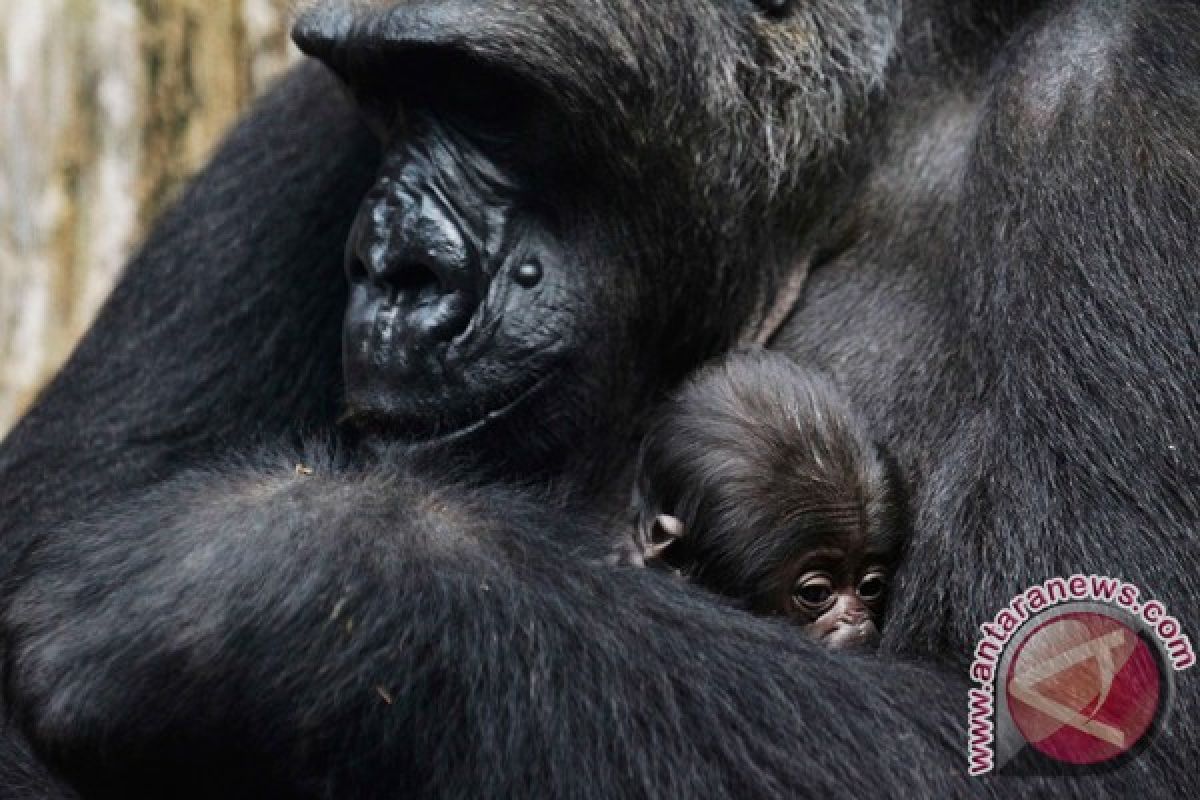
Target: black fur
[(415, 605), (763, 461), (998, 205)]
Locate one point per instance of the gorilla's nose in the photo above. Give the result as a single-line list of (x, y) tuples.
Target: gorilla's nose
[(427, 295), (412, 254)]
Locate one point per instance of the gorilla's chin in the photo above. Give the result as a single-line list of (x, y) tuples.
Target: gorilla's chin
[(503, 429)]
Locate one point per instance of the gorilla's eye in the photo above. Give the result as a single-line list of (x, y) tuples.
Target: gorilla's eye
[(529, 275), (813, 591), (872, 586)]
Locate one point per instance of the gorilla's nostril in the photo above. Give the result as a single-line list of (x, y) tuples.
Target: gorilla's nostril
[(357, 271), (433, 307), (415, 283)]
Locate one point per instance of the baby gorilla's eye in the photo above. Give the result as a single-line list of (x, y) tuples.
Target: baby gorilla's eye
[(813, 591), (872, 586)]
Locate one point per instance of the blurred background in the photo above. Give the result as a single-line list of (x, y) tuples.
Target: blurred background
[(106, 108)]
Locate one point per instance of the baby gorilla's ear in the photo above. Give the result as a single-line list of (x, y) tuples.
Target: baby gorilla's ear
[(653, 531), (651, 534), (664, 531), (654, 534)]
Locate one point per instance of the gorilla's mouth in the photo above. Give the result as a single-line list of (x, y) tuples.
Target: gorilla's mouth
[(424, 431), (489, 418)]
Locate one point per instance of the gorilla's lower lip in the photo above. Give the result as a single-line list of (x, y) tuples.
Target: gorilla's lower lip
[(422, 437), (485, 421)]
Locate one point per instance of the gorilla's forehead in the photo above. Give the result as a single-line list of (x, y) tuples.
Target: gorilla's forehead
[(678, 83)]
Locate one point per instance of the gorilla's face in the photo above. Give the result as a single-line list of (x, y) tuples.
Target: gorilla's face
[(464, 300), (580, 199)]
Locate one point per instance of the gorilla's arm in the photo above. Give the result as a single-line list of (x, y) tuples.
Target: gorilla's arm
[(381, 636), (223, 329), (24, 776)]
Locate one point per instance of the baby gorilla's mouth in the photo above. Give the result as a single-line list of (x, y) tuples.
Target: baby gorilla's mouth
[(848, 637)]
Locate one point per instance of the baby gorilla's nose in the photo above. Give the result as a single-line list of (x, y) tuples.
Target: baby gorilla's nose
[(852, 623)]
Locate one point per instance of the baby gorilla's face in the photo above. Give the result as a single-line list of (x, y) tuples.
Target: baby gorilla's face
[(761, 483), (836, 595), (829, 578)]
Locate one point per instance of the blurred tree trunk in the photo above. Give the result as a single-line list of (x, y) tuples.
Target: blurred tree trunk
[(107, 107)]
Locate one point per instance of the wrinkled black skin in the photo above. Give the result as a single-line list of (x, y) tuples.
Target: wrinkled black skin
[(438, 315), (1004, 285)]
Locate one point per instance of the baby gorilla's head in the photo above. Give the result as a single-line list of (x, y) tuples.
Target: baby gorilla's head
[(759, 481)]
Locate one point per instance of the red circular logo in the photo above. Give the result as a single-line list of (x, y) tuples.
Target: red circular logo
[(1083, 688)]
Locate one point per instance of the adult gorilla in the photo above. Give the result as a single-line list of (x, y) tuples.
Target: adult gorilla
[(579, 201)]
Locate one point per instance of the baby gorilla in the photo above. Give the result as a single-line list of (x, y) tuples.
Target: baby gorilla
[(760, 482)]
